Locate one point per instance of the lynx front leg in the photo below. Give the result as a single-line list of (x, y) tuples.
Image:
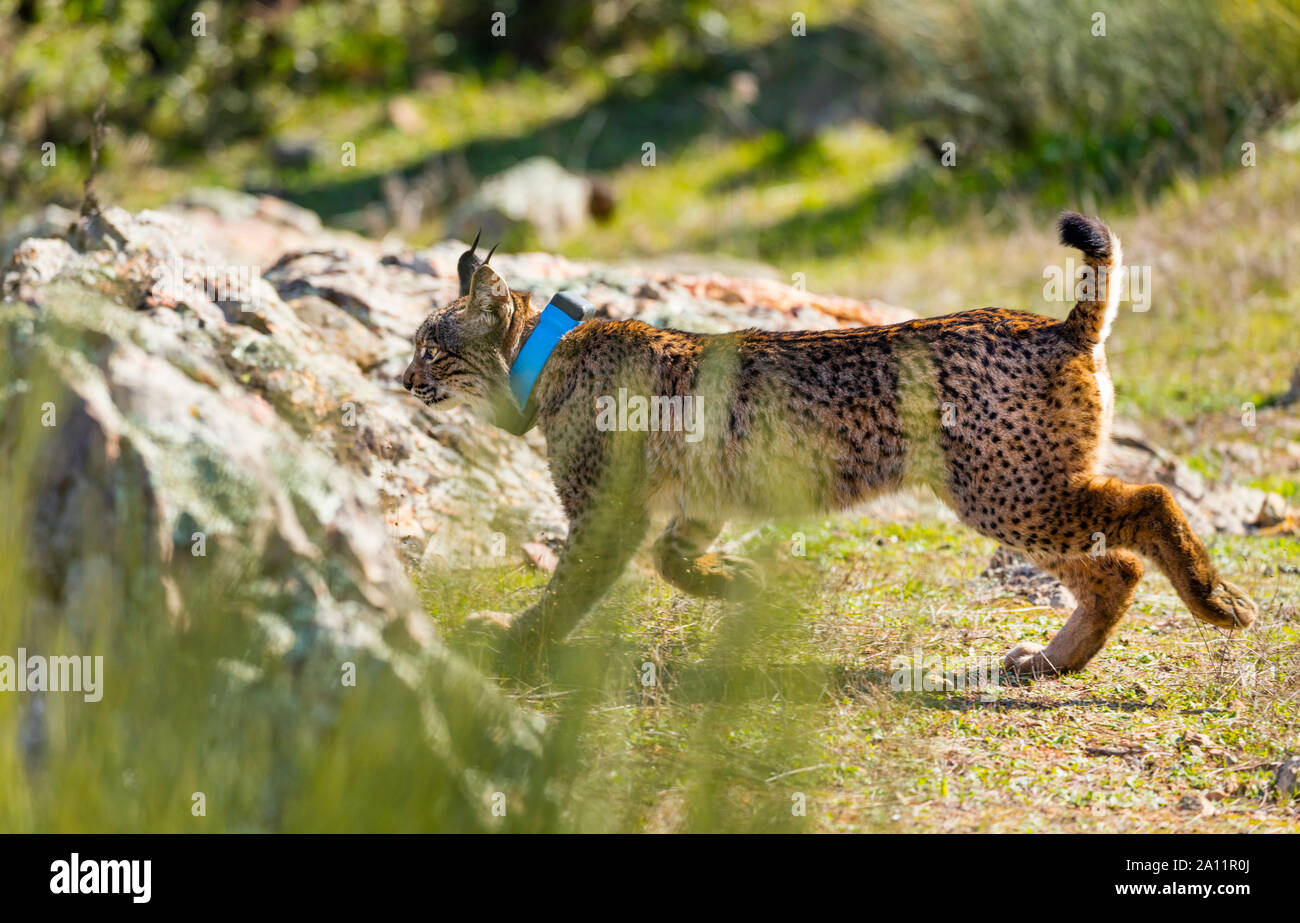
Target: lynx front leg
[(682, 558), (599, 545), (1104, 587)]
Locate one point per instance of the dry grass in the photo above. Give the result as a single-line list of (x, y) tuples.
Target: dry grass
[(752, 710)]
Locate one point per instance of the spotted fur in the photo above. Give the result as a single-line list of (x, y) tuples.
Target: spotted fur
[(1003, 414)]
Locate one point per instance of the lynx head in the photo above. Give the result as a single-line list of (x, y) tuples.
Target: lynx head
[(462, 351)]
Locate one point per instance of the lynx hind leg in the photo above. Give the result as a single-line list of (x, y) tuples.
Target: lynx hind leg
[(682, 557), (1149, 520), (1104, 587)]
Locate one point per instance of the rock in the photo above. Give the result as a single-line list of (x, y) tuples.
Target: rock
[(1286, 780), (800, 305), (540, 556), (405, 117), (938, 681), (743, 86), (341, 332), (1009, 573), (535, 198), (1194, 739), (1224, 757), (1292, 394), (489, 621), (1273, 511), (1196, 802), (51, 221), (191, 455), (1243, 453)]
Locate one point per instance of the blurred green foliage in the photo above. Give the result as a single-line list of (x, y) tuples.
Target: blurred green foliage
[(1067, 97), (198, 74), (1032, 96)]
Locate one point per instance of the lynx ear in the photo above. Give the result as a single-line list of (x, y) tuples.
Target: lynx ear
[(467, 263), (489, 302)]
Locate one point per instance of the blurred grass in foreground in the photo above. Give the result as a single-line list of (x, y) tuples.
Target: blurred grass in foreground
[(756, 710), (236, 693)]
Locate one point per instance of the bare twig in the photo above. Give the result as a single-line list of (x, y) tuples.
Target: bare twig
[(90, 201)]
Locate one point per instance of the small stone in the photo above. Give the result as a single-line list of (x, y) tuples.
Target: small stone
[(489, 620), (536, 195), (1272, 511), (936, 681), (1286, 781), (540, 556)]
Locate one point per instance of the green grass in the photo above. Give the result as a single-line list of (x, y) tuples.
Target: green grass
[(753, 711)]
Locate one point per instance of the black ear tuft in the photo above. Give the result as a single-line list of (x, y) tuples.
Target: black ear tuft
[(467, 263), (488, 258)]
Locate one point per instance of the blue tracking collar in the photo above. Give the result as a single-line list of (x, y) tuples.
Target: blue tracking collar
[(565, 312)]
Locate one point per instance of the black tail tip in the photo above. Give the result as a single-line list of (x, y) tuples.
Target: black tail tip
[(1087, 234)]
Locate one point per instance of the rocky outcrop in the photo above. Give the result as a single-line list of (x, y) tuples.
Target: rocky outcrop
[(179, 452), (203, 420), (1231, 509)]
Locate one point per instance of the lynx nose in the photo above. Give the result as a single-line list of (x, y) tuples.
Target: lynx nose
[(408, 380)]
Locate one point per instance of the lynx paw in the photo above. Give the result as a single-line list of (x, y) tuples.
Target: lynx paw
[(522, 630), (1228, 606), (1027, 659), (517, 639), (490, 622), (728, 576)]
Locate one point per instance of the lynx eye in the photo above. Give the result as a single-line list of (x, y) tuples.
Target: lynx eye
[(428, 354)]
